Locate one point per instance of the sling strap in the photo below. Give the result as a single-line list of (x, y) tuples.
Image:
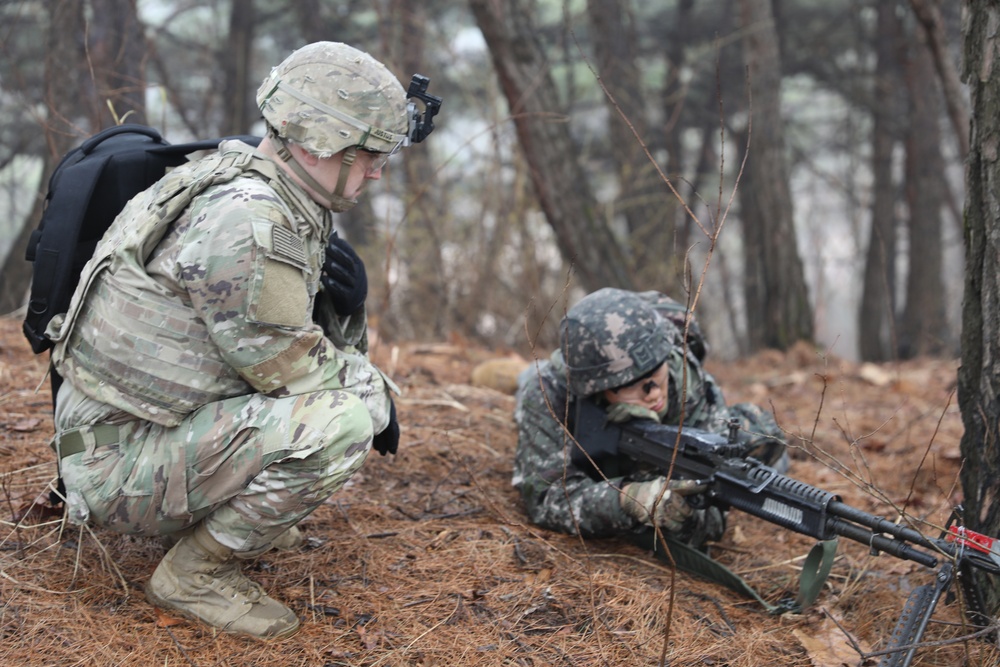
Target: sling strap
[(815, 569)]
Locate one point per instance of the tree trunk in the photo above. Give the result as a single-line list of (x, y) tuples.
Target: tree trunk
[(239, 112), (644, 200), (979, 374), (426, 285), (675, 99), (929, 15), (116, 50), (584, 239), (778, 310), (924, 326), (63, 97), (876, 317), (752, 223), (305, 13)]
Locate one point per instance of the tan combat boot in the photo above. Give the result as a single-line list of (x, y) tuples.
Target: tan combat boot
[(201, 580)]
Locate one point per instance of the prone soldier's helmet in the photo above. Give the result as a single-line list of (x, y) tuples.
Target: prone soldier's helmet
[(329, 96), (611, 338)]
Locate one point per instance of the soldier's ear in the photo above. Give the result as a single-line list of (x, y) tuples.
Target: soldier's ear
[(303, 156)]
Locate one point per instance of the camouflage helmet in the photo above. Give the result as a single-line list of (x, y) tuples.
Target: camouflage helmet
[(329, 96), (610, 339)]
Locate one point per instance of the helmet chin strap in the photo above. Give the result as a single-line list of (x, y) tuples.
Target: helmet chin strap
[(334, 201)]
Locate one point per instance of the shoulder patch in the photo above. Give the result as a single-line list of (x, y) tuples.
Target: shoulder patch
[(287, 246)]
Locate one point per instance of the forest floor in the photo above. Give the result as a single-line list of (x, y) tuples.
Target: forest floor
[(426, 558)]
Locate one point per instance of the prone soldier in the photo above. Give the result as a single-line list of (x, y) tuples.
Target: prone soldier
[(627, 352)]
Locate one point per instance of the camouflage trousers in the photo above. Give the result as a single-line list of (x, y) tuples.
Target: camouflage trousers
[(250, 467)]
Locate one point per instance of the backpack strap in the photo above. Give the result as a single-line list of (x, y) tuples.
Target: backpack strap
[(182, 150)]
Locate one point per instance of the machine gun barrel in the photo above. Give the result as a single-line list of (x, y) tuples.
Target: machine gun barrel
[(756, 489), (735, 480), (879, 542)]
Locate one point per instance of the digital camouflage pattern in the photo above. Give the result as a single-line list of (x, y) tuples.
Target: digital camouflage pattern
[(609, 339), (558, 495), (329, 96), (212, 342)]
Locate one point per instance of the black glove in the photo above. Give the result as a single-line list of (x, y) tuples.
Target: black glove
[(387, 441), (344, 277)]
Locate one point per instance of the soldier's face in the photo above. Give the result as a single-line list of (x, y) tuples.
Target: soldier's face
[(649, 392), (367, 167)]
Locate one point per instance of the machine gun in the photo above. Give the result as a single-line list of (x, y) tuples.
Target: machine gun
[(736, 480)]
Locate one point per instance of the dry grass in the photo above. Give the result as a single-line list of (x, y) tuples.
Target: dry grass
[(426, 558)]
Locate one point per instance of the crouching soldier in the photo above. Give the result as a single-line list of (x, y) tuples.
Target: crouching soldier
[(201, 402)]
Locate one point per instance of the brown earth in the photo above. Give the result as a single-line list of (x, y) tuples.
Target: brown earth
[(426, 558)]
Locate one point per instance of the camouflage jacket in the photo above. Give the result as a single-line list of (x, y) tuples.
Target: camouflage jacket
[(221, 306), (559, 495)]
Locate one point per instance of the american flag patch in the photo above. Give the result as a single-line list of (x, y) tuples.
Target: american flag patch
[(286, 245)]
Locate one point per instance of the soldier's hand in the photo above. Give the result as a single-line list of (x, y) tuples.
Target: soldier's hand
[(661, 501), (623, 412), (344, 277), (387, 442)]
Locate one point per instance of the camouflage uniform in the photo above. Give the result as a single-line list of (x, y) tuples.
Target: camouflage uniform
[(232, 393), (202, 400), (562, 497), (196, 379)]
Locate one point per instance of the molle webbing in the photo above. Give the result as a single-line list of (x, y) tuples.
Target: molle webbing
[(166, 359), (132, 346)]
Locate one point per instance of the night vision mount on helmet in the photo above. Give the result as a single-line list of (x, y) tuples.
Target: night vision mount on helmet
[(421, 125)]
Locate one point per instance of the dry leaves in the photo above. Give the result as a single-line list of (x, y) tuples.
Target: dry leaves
[(829, 646), (25, 425), (427, 558), (165, 620)]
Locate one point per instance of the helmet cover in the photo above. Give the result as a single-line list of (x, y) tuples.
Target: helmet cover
[(611, 338), (328, 96)]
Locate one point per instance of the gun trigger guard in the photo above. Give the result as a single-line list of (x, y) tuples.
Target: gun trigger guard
[(699, 502)]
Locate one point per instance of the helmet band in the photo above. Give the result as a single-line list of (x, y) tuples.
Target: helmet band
[(368, 129), (349, 156)]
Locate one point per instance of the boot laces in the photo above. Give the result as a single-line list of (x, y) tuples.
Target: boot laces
[(233, 583)]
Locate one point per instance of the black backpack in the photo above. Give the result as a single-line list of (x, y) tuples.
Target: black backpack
[(88, 188)]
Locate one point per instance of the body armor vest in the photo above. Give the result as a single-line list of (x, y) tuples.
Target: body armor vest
[(136, 345)]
